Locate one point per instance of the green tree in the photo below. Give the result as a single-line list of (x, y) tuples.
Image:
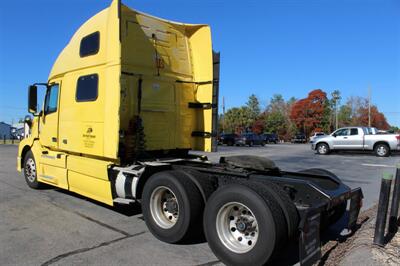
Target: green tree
[(325, 123), (238, 119), (394, 129), (345, 116), (276, 116), (275, 122), (253, 105)]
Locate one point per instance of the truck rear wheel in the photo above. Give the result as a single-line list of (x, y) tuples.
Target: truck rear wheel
[(381, 150), (30, 171), (243, 224), (172, 207)]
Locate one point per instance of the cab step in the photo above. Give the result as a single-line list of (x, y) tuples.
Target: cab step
[(124, 201)]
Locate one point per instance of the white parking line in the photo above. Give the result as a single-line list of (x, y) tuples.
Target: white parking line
[(379, 165)]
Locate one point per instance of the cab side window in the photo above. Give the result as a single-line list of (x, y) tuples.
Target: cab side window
[(342, 132), (90, 44), (51, 101), (87, 88), (354, 131)]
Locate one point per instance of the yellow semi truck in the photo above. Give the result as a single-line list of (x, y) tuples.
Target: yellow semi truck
[(126, 100)]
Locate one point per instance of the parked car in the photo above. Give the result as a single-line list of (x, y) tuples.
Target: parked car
[(270, 138), (357, 138), (228, 139), (299, 138), (317, 135), (250, 139)]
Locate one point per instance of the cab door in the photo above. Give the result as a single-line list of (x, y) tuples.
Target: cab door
[(355, 139), (52, 168), (48, 127), (340, 138)]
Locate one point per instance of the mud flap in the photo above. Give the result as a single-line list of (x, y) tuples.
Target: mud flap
[(355, 206), (310, 243)]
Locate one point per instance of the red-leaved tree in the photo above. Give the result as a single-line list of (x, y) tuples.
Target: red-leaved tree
[(378, 119), (308, 113)]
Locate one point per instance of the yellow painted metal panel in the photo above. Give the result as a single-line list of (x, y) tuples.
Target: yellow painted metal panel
[(52, 168), (111, 111), (52, 175), (160, 53), (88, 166), (82, 123), (48, 128), (91, 187), (201, 52), (157, 52), (89, 177), (54, 158), (26, 142), (99, 116)]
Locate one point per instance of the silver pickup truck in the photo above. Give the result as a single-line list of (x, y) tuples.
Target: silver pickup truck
[(357, 138)]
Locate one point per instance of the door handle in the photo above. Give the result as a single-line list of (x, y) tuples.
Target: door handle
[(345, 137), (54, 139), (65, 141)]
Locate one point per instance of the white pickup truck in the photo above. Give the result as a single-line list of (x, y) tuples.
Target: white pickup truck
[(357, 138)]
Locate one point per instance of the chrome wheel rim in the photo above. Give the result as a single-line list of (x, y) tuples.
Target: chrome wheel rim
[(381, 150), (322, 149), (237, 227), (30, 170), (164, 207)]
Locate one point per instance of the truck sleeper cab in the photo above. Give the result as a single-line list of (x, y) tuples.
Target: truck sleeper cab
[(125, 101)]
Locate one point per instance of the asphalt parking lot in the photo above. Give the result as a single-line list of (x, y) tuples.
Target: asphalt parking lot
[(53, 227)]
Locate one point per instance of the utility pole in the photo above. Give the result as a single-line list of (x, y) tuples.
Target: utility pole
[(369, 106), (223, 112), (336, 116), (336, 97)]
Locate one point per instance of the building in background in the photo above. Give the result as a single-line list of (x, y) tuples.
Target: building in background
[(5, 130)]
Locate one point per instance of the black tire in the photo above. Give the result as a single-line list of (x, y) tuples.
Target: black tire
[(251, 143), (270, 219), (30, 171), (336, 213), (323, 149), (382, 150), (188, 225), (230, 143), (289, 209)]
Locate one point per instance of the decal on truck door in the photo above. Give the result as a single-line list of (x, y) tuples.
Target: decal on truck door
[(89, 137)]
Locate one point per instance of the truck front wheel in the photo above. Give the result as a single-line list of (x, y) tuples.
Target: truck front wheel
[(243, 224), (30, 171), (172, 207), (322, 148)]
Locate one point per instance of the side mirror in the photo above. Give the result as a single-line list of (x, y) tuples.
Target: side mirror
[(334, 135), (28, 120), (32, 99)]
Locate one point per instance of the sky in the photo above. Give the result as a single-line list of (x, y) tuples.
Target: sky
[(287, 47)]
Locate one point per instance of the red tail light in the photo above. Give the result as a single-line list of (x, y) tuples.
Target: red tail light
[(398, 137)]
